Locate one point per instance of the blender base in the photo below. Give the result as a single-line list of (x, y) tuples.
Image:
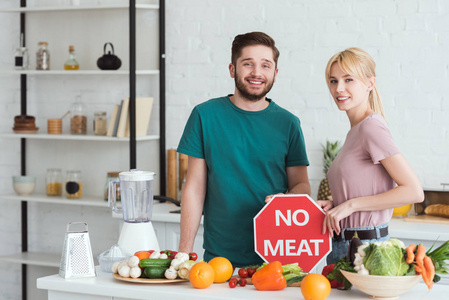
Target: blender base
[(138, 237)]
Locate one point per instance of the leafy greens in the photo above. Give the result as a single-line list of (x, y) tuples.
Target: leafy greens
[(386, 259)]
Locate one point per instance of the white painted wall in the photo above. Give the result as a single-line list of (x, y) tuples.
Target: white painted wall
[(409, 39)]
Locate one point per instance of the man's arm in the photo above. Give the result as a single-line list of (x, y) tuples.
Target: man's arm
[(298, 180), (192, 201)]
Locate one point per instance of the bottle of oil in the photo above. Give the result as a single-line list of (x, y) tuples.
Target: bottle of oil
[(71, 63)]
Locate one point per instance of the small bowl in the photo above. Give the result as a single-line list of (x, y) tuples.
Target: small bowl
[(385, 287), (24, 185)]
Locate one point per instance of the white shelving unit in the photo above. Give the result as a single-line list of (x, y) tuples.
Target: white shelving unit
[(78, 72), (74, 7), (49, 259), (73, 137), (86, 200), (34, 259)]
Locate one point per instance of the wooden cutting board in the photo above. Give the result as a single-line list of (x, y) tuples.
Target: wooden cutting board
[(427, 219)]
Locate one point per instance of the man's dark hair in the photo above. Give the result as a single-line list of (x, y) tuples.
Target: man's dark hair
[(252, 39)]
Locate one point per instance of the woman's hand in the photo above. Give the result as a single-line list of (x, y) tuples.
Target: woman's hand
[(325, 204), (335, 215)]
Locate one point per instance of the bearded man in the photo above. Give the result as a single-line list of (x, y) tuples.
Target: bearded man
[(242, 148)]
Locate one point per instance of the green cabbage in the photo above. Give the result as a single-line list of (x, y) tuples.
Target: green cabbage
[(385, 259)]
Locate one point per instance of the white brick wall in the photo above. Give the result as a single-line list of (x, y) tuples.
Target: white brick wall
[(409, 40)]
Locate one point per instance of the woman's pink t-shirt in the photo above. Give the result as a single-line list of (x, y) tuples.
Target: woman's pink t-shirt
[(357, 171)]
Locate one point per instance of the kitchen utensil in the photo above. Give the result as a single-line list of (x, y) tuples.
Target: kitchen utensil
[(107, 258), (109, 61), (382, 286), (77, 260), (136, 191)]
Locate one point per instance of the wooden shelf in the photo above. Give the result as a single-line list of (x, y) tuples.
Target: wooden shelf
[(74, 137), (87, 200), (34, 258), (74, 7), (78, 72)]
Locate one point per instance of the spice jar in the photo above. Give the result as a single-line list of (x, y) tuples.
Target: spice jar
[(42, 57), (54, 182), (112, 176), (78, 119), (100, 123), (73, 185)]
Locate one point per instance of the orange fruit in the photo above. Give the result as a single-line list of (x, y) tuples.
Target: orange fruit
[(142, 254), (315, 287), (201, 275), (402, 210), (222, 267)]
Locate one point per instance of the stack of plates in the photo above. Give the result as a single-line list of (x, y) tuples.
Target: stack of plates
[(24, 124)]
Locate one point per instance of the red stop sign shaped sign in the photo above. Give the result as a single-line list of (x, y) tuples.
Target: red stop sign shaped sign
[(289, 229)]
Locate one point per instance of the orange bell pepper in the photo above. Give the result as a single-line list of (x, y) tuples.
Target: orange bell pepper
[(270, 277)]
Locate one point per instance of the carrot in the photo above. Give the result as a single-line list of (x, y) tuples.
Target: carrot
[(418, 270), (410, 250), (430, 272), (420, 253)]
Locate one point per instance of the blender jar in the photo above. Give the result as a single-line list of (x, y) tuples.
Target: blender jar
[(136, 192)]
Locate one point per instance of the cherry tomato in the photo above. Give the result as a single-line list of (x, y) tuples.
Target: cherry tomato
[(193, 256), (242, 282), (243, 273), (233, 283), (251, 271)]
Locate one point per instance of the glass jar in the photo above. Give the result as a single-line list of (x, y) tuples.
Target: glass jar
[(73, 185), (112, 176), (78, 119), (100, 123), (54, 182), (71, 63), (42, 57), (21, 58)]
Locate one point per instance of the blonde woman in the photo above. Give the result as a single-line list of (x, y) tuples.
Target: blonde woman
[(369, 177)]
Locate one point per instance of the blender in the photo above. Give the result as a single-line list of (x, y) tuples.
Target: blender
[(136, 188)]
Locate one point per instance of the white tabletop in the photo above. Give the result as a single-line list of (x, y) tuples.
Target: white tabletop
[(105, 285)]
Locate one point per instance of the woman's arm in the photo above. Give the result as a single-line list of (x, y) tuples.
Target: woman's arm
[(407, 191)]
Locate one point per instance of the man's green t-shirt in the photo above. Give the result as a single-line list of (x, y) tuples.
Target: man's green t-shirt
[(246, 154)]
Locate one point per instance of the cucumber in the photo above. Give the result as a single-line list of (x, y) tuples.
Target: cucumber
[(155, 262), (155, 272)]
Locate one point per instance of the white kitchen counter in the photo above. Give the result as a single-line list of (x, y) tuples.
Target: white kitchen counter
[(398, 228), (104, 286)]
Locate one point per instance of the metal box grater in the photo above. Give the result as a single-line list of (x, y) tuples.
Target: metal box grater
[(77, 260)]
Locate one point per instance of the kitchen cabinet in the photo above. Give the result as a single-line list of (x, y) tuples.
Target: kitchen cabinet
[(49, 94)]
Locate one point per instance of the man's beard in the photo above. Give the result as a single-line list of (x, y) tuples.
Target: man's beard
[(245, 93)]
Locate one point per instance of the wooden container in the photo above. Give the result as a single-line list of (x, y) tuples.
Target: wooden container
[(172, 190), (54, 126)]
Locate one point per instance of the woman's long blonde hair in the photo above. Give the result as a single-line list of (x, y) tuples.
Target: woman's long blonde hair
[(359, 64)]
